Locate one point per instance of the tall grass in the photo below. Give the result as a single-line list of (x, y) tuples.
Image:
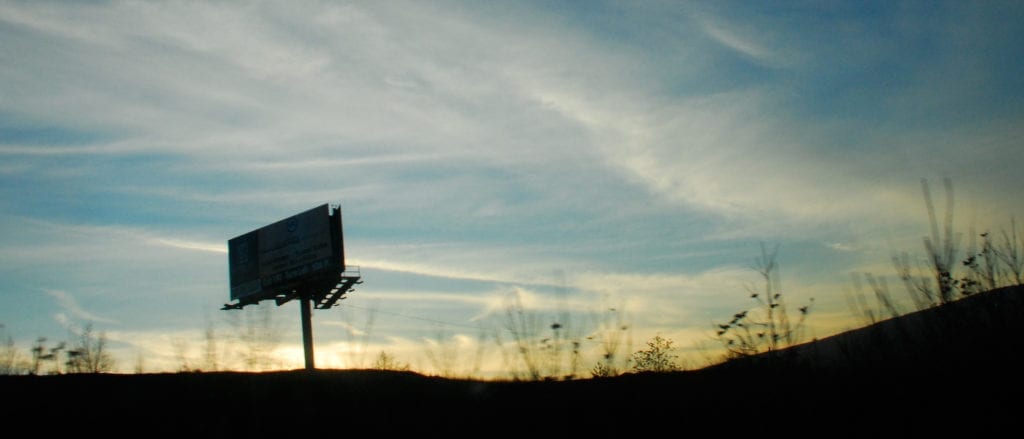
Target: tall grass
[(767, 326), (445, 354), (613, 333), (944, 274)]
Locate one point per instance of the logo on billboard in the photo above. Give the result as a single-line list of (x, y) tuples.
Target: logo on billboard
[(289, 254)]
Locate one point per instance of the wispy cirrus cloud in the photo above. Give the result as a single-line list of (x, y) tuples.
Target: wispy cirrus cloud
[(69, 304), (743, 44), (480, 149)]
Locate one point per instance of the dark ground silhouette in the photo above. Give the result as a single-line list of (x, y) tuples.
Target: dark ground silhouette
[(945, 370)]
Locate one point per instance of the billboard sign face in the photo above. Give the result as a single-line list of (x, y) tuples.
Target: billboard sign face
[(282, 256)]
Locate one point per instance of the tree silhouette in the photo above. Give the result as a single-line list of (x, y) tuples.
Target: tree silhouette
[(89, 353)]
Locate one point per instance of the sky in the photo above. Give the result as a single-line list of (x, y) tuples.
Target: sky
[(599, 164)]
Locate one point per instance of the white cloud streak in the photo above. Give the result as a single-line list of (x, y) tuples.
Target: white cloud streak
[(742, 44), (722, 153), (68, 303), (478, 145)]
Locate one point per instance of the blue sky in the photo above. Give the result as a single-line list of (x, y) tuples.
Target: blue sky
[(578, 155)]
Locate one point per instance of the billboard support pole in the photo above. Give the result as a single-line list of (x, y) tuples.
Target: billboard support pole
[(307, 330), (295, 258)]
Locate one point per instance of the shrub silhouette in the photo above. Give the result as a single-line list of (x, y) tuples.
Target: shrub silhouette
[(657, 357), (386, 361)]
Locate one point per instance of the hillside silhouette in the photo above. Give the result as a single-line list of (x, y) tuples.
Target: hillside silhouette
[(943, 369)]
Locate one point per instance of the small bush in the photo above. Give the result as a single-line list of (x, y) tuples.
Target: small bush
[(387, 361), (657, 357)]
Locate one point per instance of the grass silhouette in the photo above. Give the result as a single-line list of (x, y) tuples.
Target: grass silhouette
[(949, 365), (767, 327), (958, 360)]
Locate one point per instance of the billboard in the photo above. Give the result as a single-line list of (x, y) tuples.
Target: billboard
[(273, 260)]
